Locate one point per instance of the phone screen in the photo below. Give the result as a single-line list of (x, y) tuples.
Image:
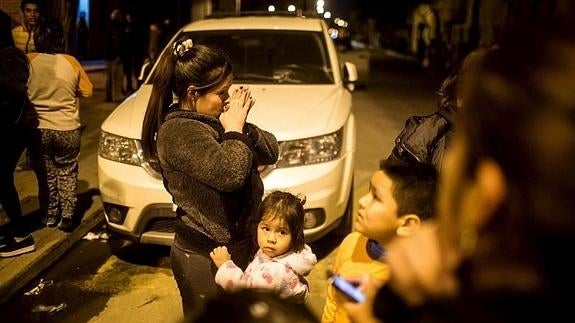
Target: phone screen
[(347, 288)]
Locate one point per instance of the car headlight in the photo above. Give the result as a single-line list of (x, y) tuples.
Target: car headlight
[(120, 149), (310, 150)]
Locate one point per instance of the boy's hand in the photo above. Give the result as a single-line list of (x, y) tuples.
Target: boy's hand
[(220, 255), (361, 312)]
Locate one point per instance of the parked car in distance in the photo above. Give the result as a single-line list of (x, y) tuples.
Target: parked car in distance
[(303, 96)]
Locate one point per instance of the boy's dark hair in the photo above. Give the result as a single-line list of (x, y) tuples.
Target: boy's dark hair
[(414, 186), (50, 38), (39, 3), (290, 209)]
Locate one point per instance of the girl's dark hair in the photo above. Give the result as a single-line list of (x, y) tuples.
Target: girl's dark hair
[(49, 37), (289, 208), (201, 66)]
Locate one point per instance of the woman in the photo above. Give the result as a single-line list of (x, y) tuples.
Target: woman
[(500, 251), (209, 157), (56, 83)]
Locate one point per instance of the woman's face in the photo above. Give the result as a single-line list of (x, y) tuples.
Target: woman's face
[(212, 103)]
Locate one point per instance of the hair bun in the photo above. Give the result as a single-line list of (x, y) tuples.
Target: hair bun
[(181, 47)]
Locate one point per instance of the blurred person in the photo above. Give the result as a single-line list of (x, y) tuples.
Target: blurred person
[(6, 39), (17, 122), (500, 250), (23, 34), (82, 36), (254, 306), (425, 139), (401, 196), (57, 81), (114, 49), (282, 260), (209, 158)]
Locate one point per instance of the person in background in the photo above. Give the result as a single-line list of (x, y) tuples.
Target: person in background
[(209, 158), (425, 139), (500, 252), (6, 39), (82, 36), (23, 34), (57, 81), (114, 49), (17, 121), (282, 260), (401, 196)]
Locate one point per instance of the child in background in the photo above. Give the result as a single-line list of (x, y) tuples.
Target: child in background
[(401, 195), (283, 258)]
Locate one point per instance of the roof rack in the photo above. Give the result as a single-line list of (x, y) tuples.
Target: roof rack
[(297, 13)]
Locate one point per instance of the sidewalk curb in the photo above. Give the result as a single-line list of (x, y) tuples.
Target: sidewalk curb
[(21, 270)]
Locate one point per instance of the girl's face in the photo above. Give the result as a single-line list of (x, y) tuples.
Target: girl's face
[(274, 236), (213, 102)]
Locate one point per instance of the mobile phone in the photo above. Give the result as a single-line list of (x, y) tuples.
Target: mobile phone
[(347, 288)]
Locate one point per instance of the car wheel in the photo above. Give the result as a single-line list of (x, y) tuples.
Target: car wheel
[(116, 243)]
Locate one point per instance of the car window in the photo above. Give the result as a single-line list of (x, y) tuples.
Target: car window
[(271, 56)]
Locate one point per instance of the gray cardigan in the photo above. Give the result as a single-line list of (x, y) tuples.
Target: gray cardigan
[(212, 177)]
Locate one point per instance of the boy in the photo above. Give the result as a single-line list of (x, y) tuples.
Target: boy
[(401, 195)]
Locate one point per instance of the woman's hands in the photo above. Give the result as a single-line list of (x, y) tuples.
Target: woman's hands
[(220, 255), (236, 111)]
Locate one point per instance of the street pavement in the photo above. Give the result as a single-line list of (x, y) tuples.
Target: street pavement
[(51, 243)]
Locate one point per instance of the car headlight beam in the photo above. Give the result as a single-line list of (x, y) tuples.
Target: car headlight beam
[(309, 151)]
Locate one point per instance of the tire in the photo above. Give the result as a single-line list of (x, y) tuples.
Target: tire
[(116, 243)]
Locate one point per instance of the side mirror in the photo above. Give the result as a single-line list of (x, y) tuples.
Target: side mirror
[(349, 75)]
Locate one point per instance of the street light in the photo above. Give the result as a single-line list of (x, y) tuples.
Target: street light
[(291, 8), (271, 8)]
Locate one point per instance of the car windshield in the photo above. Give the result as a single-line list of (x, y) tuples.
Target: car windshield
[(271, 56)]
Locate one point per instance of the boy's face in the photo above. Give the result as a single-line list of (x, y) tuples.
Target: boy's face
[(377, 214), (31, 14)]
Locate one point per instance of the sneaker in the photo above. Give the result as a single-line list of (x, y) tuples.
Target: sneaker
[(18, 248), (51, 221), (66, 225), (4, 240)]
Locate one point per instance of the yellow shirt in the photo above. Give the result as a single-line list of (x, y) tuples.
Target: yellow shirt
[(351, 260), (23, 39)]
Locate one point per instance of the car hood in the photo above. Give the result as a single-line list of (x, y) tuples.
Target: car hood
[(288, 111)]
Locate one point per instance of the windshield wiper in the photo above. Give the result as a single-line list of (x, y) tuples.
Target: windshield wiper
[(261, 77)]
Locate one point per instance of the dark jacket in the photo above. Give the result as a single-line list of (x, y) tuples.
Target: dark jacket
[(213, 177), (424, 139)]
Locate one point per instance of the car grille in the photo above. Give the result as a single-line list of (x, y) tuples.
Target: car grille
[(161, 225)]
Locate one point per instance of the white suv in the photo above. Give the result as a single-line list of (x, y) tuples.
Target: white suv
[(303, 97)]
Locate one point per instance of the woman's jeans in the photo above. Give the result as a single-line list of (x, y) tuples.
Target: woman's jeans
[(194, 272)]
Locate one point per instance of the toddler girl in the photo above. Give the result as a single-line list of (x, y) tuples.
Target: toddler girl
[(283, 258)]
